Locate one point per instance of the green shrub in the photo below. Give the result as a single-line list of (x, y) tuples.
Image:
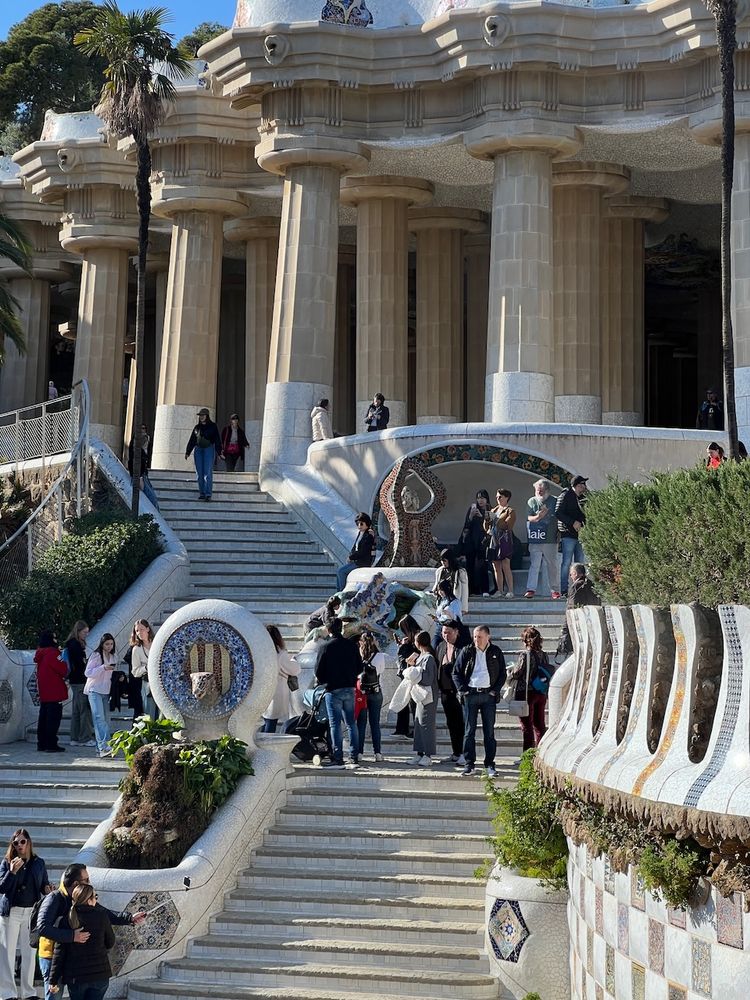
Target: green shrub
[(529, 837), (81, 576), (145, 730), (16, 505), (213, 769), (683, 537), (671, 871)]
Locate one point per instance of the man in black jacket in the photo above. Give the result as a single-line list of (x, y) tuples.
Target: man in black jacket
[(580, 594), (447, 654), (570, 519), (56, 905), (479, 675), (339, 666)]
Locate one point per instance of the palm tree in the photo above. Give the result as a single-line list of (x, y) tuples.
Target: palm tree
[(14, 248), (142, 63), (725, 15)]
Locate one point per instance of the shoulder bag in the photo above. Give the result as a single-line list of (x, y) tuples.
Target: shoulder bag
[(519, 706)]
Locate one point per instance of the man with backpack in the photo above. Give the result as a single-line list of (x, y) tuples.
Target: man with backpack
[(570, 519)]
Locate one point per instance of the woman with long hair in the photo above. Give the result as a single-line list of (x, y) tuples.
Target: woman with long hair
[(499, 524), (23, 882), (425, 716), (452, 570), (533, 664), (99, 669), (409, 628), (474, 542), (279, 709), (140, 646), (84, 968), (369, 685), (448, 610), (81, 725), (714, 455)]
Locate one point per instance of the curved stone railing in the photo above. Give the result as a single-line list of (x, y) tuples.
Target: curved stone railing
[(656, 725)]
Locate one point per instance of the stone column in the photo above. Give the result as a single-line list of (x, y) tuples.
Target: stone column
[(261, 239), (383, 286), (344, 360), (440, 310), (741, 282), (477, 253), (300, 368), (622, 319), (577, 213), (190, 351)]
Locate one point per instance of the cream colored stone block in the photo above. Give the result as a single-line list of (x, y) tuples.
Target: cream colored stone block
[(23, 377)]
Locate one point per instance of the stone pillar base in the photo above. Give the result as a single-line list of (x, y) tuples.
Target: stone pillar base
[(109, 434), (287, 430), (623, 418), (254, 433), (173, 426), (520, 397), (578, 409), (742, 402), (397, 409)]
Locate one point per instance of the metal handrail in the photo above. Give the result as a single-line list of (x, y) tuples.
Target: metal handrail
[(77, 449)]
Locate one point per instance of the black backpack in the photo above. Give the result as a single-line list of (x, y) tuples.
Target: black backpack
[(369, 680), (33, 917)]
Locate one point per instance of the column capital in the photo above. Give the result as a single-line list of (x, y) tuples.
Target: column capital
[(708, 133), (611, 178), (466, 220), (553, 138), (633, 206), (260, 227), (277, 153), (81, 239), (414, 190)]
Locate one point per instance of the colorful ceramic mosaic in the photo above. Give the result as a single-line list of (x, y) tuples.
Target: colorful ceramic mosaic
[(623, 928), (677, 918), (656, 946), (6, 700), (609, 876), (599, 910), (638, 982), (733, 650), (676, 992), (217, 646), (590, 951), (154, 934), (610, 681), (411, 497), (32, 688), (701, 966), (637, 890), (351, 12), (507, 929), (609, 969), (729, 920)]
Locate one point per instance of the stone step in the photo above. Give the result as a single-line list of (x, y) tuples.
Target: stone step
[(471, 802), (372, 843), (277, 949), (255, 549), (406, 982), (56, 793), (36, 810), (439, 908), (152, 989), (222, 506), (330, 860), (208, 516), (187, 475), (102, 771), (248, 578), (371, 817)]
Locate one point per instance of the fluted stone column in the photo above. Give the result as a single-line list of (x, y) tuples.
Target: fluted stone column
[(300, 366), (383, 286), (622, 318), (577, 213), (440, 310), (261, 239), (477, 253), (740, 235), (190, 352), (344, 360)]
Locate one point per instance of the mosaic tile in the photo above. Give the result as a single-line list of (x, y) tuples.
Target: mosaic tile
[(354, 13), (582, 896), (656, 946), (589, 867), (6, 700), (598, 992), (637, 890), (701, 967), (507, 930), (609, 876), (609, 969), (599, 911), (733, 662), (729, 920), (636, 702), (675, 992), (590, 951), (33, 688), (677, 918), (638, 982), (623, 928), (154, 934)]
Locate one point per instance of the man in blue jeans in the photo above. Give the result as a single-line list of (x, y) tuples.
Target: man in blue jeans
[(339, 666), (570, 519), (479, 674)]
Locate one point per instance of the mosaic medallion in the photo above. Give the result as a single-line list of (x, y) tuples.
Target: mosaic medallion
[(33, 688), (154, 934), (206, 668), (351, 12), (507, 929), (6, 700)]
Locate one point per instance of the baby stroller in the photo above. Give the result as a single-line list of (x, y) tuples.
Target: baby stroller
[(312, 728)]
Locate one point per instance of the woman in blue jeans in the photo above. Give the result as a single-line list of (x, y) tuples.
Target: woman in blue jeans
[(369, 685), (204, 445), (84, 968), (98, 682)]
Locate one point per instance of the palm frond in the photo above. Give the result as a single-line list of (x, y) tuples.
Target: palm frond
[(10, 325), (13, 243)]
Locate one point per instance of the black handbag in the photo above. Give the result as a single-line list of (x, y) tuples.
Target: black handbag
[(292, 683)]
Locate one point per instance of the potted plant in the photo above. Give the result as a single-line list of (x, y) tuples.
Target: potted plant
[(526, 927)]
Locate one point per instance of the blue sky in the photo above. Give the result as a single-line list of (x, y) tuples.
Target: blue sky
[(186, 13)]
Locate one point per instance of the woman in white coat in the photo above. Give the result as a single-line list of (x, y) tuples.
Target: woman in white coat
[(279, 709)]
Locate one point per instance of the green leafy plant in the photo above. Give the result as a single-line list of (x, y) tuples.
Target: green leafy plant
[(212, 770), (532, 996), (671, 871), (529, 837), (145, 730), (81, 576)]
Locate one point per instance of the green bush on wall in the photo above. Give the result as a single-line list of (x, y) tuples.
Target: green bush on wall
[(81, 576), (682, 537)]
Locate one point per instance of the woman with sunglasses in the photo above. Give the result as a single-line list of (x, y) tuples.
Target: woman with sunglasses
[(23, 882), (84, 968)]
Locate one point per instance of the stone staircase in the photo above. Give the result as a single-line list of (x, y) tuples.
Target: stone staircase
[(363, 887)]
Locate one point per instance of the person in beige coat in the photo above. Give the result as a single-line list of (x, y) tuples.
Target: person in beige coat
[(279, 709), (321, 421)]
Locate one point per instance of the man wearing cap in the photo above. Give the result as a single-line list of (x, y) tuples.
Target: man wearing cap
[(710, 413), (570, 520), (204, 445)]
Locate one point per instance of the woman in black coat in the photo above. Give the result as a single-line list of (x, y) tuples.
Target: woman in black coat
[(473, 543), (204, 445), (84, 968)]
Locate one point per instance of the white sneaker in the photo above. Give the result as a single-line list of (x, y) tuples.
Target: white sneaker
[(78, 743), (509, 596), (485, 595), (416, 759), (461, 762), (379, 758), (88, 743), (105, 753), (425, 761)]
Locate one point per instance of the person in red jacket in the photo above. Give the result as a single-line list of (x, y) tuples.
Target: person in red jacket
[(53, 691)]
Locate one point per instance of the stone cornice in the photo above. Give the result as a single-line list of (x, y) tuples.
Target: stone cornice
[(50, 168)]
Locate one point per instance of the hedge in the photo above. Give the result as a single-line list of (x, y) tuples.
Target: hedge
[(81, 576), (681, 537)]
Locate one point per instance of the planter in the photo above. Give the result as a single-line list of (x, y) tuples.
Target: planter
[(526, 935)]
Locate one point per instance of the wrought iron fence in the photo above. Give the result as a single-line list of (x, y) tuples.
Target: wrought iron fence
[(54, 433)]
